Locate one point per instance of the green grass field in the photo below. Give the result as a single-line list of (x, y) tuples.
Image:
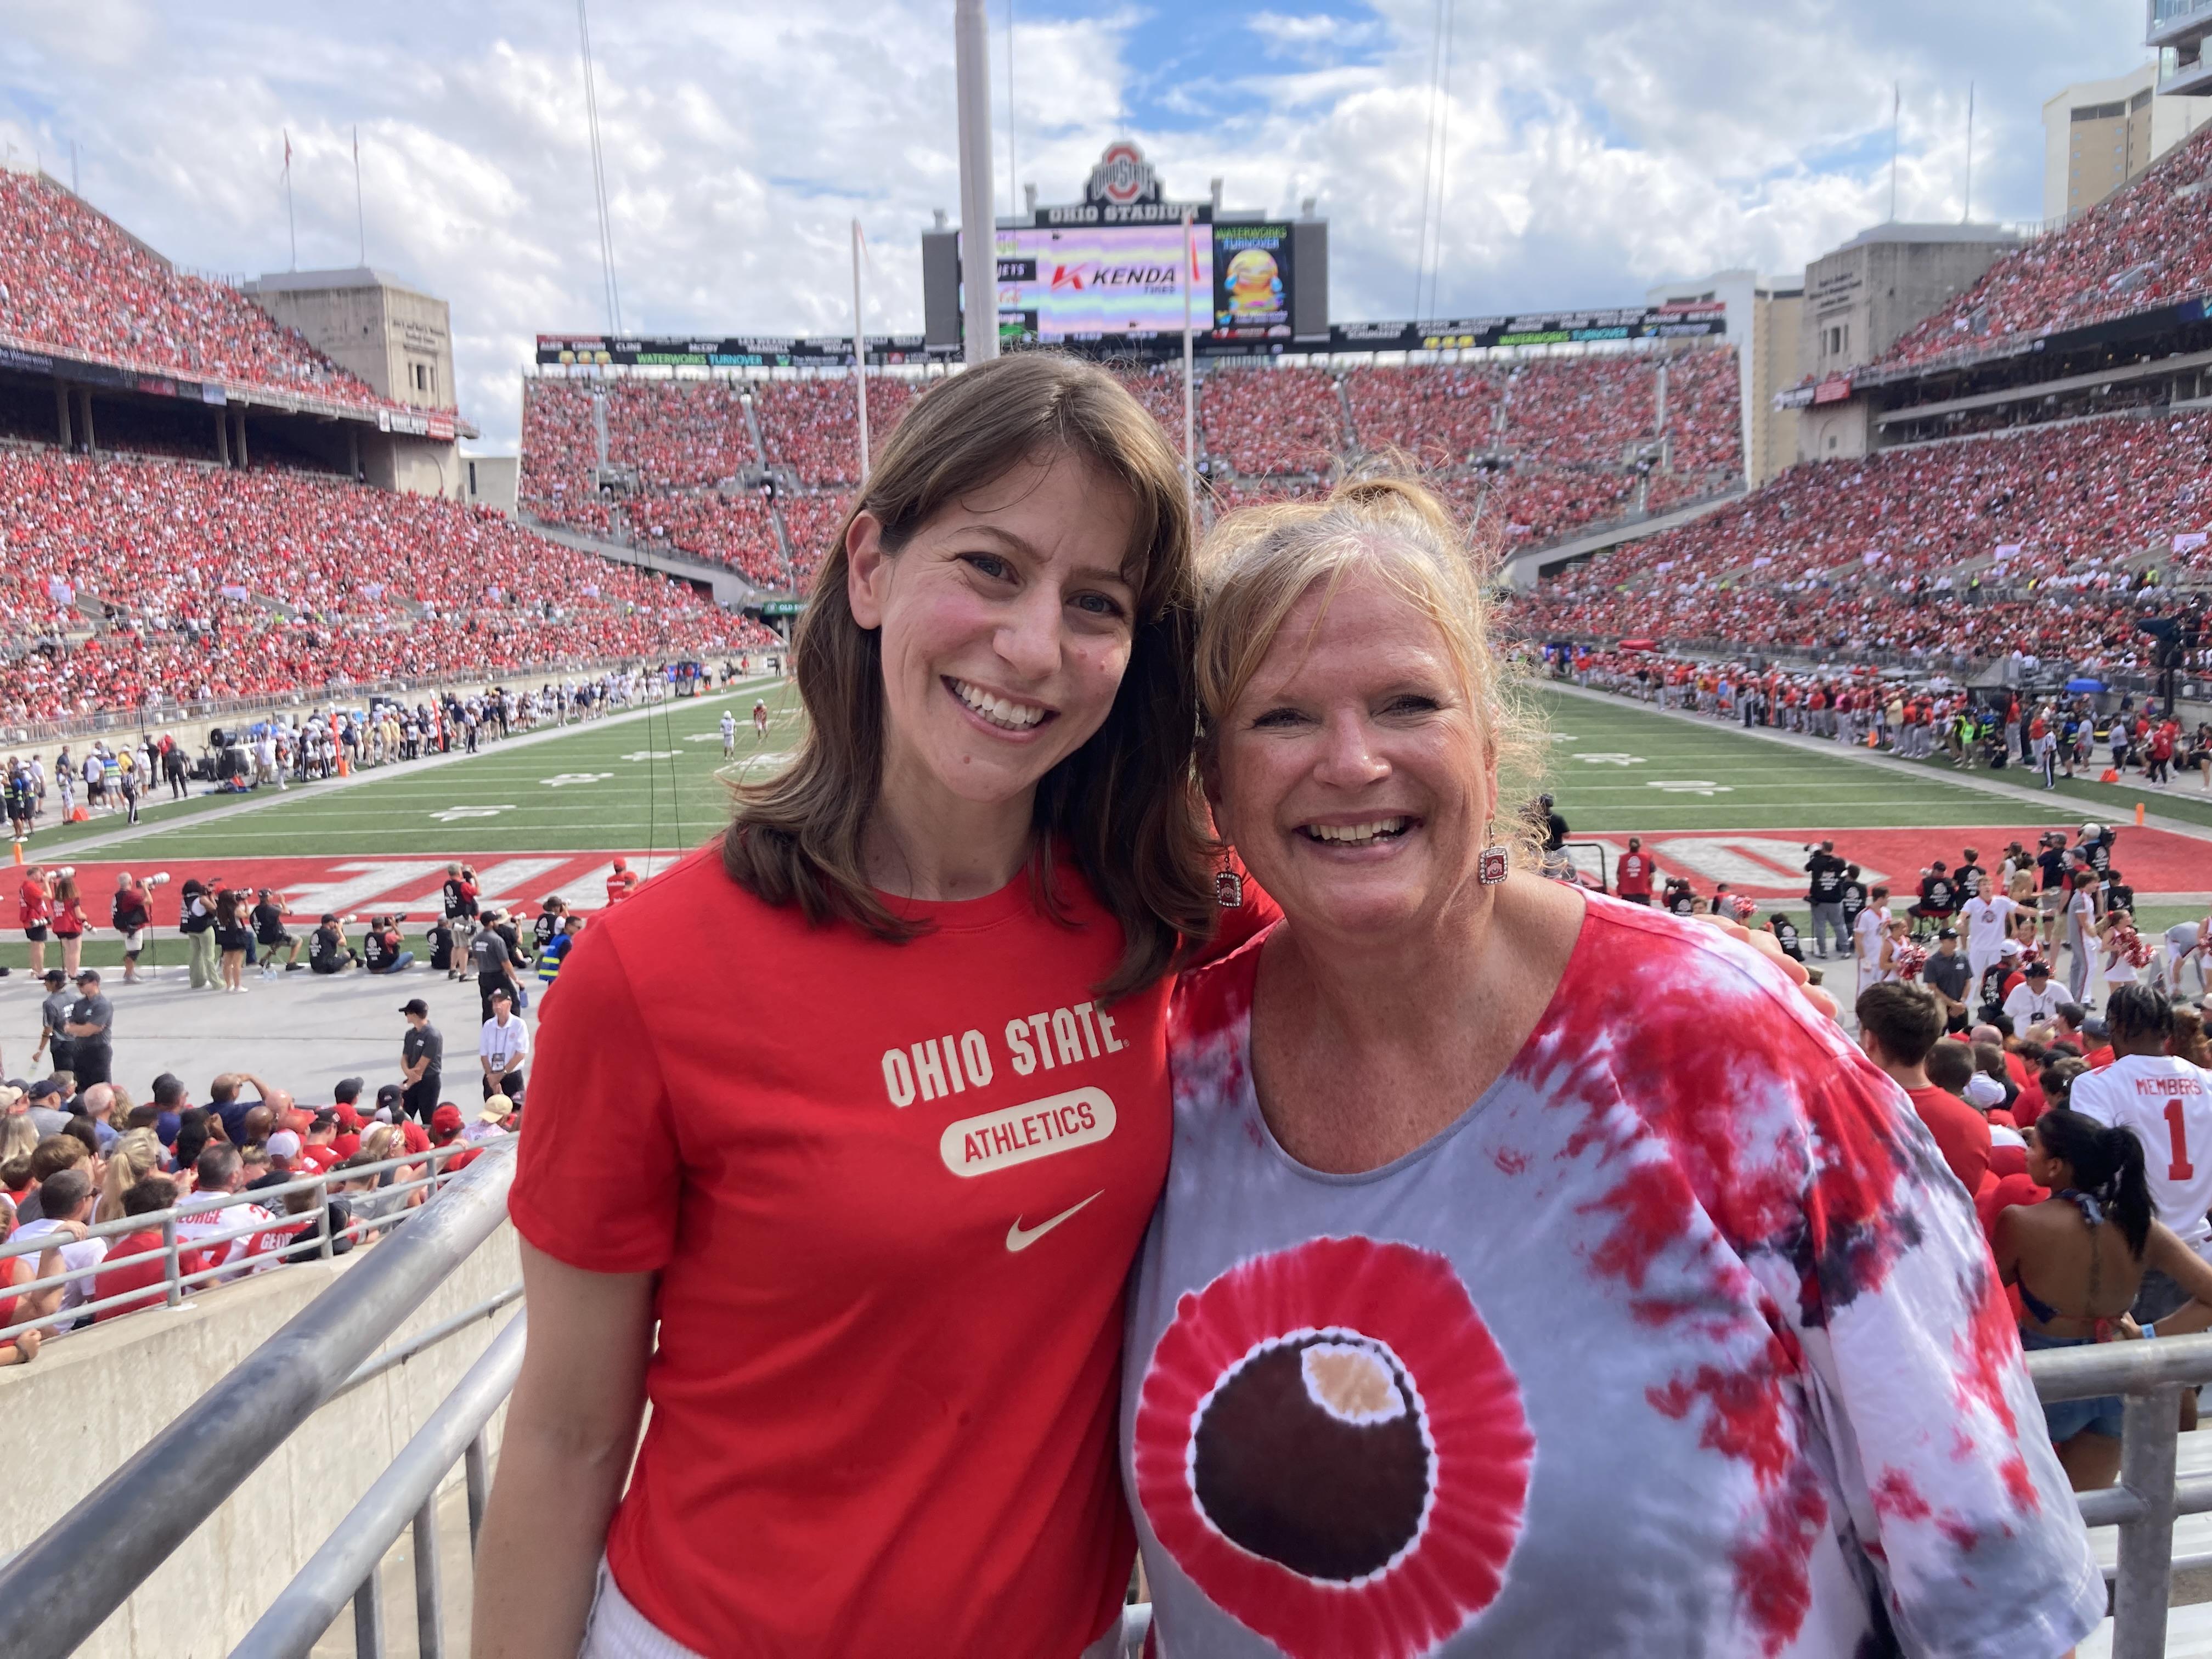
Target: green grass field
[(653, 783), (659, 783), (1618, 767)]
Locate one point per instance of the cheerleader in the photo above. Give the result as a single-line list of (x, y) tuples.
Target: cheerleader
[(2126, 953)]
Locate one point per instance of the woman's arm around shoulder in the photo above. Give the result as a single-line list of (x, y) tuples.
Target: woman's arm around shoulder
[(571, 1427)]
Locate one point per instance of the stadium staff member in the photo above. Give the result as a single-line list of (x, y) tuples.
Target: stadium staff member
[(422, 1056), (503, 1047), (1636, 873), (1824, 896), (53, 1016), (90, 1028), (2035, 1000), (133, 913), (460, 906)]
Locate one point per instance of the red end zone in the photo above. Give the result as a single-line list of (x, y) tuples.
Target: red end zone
[(1770, 864), (408, 886)]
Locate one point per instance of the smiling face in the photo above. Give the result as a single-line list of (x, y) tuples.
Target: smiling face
[(1352, 773), (1005, 624)]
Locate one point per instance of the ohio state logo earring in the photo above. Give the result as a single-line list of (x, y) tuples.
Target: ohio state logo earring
[(1490, 869), (1229, 889)]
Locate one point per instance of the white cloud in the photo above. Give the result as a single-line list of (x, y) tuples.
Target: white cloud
[(1593, 149)]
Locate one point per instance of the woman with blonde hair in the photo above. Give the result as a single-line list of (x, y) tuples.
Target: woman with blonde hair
[(882, 1221), (1510, 1228), (135, 1154)]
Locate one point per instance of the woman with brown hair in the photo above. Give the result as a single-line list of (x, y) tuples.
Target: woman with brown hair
[(876, 1161), (1509, 1229), (232, 936), (70, 923)]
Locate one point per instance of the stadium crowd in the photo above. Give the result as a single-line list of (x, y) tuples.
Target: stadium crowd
[(152, 583), (2026, 542), (72, 279), (2148, 244)]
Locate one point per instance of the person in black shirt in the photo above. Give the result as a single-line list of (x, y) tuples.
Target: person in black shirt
[(422, 1053), (1851, 898), (1824, 894), (382, 949), (91, 1030), (461, 907), (550, 917), (1939, 897), (440, 938), (1679, 899), (328, 952), (2119, 895), (1947, 975), (495, 961), (2096, 845), (1785, 934), (269, 932), (1970, 876)]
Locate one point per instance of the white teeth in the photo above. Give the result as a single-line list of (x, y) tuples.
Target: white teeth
[(1014, 716), (1357, 834)]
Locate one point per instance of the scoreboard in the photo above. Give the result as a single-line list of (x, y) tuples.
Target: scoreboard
[(1063, 285)]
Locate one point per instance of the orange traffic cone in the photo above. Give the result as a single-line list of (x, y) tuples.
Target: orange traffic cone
[(2138, 815), (345, 767)]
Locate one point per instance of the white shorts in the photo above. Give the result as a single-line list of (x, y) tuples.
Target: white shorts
[(134, 941), (616, 1630)]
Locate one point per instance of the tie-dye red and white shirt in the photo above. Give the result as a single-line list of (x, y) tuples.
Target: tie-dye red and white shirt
[(1681, 1340)]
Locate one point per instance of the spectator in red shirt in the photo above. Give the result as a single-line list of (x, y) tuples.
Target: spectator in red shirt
[(1636, 873), (1899, 1023), (622, 882), (134, 1262), (34, 910)]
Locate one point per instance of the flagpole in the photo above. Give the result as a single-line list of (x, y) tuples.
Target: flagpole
[(290, 221), (1968, 215), (1189, 394), (360, 217), (859, 357), (1896, 103)]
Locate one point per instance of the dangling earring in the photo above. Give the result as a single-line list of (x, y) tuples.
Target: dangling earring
[(1228, 889), (1490, 869)]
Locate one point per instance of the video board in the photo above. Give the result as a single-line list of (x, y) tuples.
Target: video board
[(1073, 284)]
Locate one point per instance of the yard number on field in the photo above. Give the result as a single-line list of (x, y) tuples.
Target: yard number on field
[(453, 812), (640, 755), (1596, 758), (1690, 786), (562, 779)]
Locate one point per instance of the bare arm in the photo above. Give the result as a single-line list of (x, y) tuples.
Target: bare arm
[(2165, 1251), (571, 1427)]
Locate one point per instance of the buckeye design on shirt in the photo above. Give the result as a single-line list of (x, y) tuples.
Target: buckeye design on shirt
[(1661, 1347)]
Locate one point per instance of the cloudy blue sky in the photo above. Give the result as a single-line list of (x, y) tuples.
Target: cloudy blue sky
[(1589, 148)]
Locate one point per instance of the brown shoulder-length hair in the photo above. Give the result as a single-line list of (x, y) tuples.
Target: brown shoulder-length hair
[(1125, 805)]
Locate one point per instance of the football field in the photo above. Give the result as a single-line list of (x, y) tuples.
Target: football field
[(547, 813)]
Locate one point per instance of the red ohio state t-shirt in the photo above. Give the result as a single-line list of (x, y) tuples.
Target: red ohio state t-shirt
[(892, 1193)]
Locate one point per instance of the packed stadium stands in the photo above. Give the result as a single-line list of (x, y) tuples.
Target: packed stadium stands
[(72, 279), (2146, 245), (205, 582), (2041, 529), (1538, 449)]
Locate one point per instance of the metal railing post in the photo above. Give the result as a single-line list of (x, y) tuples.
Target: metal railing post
[(59, 1587), (477, 1465), (170, 1265), (368, 1615), (323, 1217), (430, 1602), (2149, 1427)]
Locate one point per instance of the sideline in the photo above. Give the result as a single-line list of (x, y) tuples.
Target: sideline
[(63, 851), (2042, 799)]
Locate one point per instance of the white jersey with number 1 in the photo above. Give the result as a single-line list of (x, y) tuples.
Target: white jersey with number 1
[(2167, 1105)]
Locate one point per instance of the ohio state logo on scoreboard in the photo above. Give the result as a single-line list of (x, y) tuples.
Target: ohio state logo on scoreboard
[(1122, 176)]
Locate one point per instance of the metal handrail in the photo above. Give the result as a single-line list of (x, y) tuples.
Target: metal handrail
[(344, 1569), (312, 1227), (62, 1586)]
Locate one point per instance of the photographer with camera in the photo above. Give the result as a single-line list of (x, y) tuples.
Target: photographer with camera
[(329, 951), (382, 948), (196, 922), (460, 906), (133, 913), (269, 935)]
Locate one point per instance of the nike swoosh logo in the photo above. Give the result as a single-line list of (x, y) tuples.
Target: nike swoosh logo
[(1020, 1239)]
